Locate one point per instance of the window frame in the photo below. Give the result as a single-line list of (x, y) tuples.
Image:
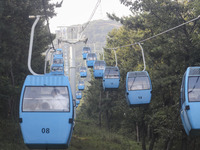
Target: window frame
[(45, 111), (188, 88), (149, 83)]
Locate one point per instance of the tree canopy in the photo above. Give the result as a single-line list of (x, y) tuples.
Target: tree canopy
[(157, 125)]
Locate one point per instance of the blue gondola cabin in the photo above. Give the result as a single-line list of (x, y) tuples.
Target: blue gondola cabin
[(78, 94), (81, 85), (57, 69), (111, 78), (59, 52), (83, 72), (190, 101), (77, 103), (58, 60), (46, 112), (138, 88), (85, 52), (98, 68), (91, 58)]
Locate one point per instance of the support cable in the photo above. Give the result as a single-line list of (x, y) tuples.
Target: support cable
[(155, 35), (91, 16)]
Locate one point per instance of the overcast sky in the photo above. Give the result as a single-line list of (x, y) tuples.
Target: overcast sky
[(75, 12)]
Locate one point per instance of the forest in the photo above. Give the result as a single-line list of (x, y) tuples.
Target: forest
[(156, 126)]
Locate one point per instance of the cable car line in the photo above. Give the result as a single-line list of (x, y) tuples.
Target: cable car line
[(91, 16), (114, 48)]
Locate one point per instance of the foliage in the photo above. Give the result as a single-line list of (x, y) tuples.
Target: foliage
[(15, 27), (167, 57), (88, 136), (156, 126)]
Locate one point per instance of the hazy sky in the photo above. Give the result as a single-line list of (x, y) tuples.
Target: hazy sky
[(75, 12)]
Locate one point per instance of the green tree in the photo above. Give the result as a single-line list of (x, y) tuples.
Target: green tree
[(15, 28), (167, 58)]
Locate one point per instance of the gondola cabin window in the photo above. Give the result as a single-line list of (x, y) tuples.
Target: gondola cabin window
[(194, 89), (58, 61), (86, 50), (99, 65), (91, 56), (57, 68), (138, 83), (59, 52), (46, 99), (83, 69), (111, 73), (81, 82)]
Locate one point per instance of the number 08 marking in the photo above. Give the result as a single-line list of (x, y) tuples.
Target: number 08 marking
[(45, 130)]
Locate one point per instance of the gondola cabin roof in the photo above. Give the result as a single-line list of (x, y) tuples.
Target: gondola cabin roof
[(46, 80), (57, 55), (58, 49)]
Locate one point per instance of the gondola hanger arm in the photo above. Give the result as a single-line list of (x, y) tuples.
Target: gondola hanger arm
[(115, 58), (142, 55), (31, 43)]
